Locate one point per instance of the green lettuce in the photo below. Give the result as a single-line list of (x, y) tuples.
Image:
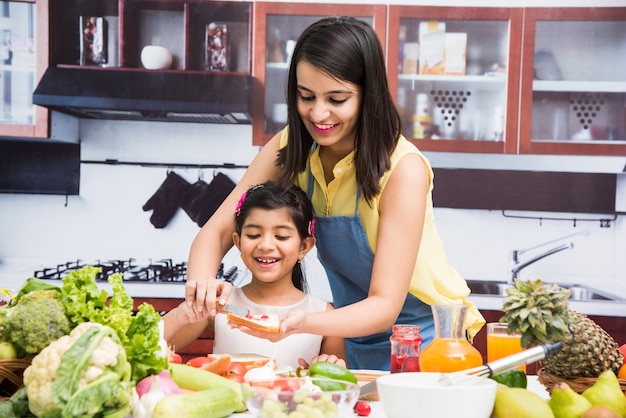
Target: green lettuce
[(139, 333)]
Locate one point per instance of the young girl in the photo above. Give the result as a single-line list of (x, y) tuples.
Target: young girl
[(372, 196), (274, 230)]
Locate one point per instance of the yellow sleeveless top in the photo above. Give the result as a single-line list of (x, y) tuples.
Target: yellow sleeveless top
[(434, 280)]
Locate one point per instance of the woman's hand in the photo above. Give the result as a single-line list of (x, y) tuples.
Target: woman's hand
[(322, 357), (201, 295), (189, 315)]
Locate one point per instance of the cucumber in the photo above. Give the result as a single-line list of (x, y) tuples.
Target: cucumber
[(218, 402), (192, 378)]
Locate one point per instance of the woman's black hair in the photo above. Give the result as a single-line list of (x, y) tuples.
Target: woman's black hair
[(269, 196), (346, 49)]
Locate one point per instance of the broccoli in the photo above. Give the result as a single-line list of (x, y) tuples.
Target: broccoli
[(35, 321)]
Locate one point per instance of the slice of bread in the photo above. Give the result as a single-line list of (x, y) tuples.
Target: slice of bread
[(263, 322), (250, 360)]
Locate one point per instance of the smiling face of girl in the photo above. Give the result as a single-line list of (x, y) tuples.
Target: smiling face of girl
[(329, 108), (270, 245)]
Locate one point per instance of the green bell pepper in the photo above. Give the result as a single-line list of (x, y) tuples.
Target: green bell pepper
[(513, 378)]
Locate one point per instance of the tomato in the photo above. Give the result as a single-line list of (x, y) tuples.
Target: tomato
[(200, 362), (235, 377), (237, 368), (622, 349), (362, 409), (175, 358), (286, 385)]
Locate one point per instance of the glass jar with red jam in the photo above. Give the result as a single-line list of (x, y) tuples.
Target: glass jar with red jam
[(405, 344)]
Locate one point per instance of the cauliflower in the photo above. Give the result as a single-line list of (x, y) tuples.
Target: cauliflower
[(35, 321), (83, 373)]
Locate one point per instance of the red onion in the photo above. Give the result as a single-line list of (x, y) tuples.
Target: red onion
[(168, 386)]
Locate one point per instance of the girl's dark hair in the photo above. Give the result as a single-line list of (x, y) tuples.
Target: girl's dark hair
[(269, 196), (346, 49)]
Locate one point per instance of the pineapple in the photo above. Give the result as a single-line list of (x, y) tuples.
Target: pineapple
[(540, 312)]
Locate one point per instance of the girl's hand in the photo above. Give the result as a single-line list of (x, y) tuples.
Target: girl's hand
[(271, 336), (201, 295), (322, 357)]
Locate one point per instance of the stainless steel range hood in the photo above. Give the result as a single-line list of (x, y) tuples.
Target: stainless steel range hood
[(200, 97)]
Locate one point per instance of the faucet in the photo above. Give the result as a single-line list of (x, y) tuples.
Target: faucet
[(519, 266)]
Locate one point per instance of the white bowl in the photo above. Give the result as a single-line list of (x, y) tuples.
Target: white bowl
[(154, 57), (411, 394)]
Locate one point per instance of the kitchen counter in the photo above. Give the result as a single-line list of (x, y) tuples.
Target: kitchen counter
[(591, 307)]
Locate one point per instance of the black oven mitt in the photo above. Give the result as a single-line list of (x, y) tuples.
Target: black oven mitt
[(167, 199), (203, 199)]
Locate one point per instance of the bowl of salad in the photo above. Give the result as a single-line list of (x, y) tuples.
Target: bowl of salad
[(333, 398)]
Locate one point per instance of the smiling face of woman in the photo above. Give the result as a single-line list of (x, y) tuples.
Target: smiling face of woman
[(329, 108)]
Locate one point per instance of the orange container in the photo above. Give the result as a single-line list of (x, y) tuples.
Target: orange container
[(449, 355), (449, 351), (502, 344)]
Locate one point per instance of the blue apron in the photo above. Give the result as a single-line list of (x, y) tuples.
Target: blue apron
[(344, 251)]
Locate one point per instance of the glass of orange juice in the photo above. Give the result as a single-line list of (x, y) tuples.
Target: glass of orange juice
[(500, 343)]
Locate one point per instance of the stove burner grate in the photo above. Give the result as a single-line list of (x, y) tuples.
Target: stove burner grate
[(159, 271)]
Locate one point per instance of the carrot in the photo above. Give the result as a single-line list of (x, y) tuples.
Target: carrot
[(220, 365)]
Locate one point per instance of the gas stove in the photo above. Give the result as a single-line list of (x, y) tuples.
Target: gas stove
[(151, 271)]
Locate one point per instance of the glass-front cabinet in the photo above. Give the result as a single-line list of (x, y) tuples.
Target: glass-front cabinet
[(278, 26), (196, 35), (455, 74), (23, 59), (574, 81)]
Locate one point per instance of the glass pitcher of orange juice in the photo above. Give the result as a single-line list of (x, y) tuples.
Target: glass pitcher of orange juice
[(449, 351), (501, 343)]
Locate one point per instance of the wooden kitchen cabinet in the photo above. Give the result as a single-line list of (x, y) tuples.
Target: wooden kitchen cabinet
[(277, 27), (181, 26), (23, 60), (559, 85), (573, 97), (463, 102)]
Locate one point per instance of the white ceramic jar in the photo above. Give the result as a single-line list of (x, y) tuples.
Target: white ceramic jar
[(154, 57)]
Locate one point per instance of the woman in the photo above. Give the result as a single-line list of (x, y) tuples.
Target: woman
[(371, 192)]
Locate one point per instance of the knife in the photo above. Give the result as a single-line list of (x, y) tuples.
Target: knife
[(234, 309), (369, 391)]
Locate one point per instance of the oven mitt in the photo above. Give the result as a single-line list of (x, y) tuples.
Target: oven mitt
[(191, 201), (167, 199), (204, 199)]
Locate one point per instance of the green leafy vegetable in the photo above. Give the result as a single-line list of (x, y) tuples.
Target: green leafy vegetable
[(139, 334)]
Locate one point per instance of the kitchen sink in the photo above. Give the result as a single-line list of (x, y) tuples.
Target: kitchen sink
[(579, 292)]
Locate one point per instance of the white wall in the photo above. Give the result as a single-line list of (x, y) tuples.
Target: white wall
[(107, 221)]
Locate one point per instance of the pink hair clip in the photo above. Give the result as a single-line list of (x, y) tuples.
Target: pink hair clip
[(240, 203), (312, 227)]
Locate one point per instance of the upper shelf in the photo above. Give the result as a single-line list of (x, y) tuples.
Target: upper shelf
[(184, 27), (582, 86)]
